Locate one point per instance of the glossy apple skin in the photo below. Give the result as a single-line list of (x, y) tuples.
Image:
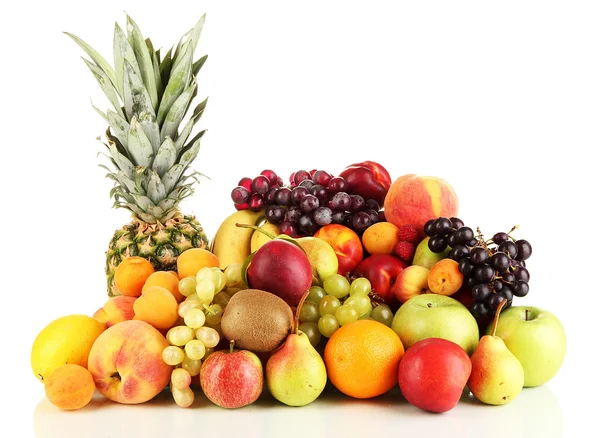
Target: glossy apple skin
[(282, 268), (433, 374), (368, 179), (346, 244), (232, 379), (382, 271)]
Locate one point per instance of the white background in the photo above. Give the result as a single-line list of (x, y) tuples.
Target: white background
[(501, 99)]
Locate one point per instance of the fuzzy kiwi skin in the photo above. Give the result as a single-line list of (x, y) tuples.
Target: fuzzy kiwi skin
[(256, 320)]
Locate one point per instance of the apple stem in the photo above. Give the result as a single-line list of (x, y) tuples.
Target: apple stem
[(254, 227), (527, 311), (231, 344), (498, 310), (297, 315)]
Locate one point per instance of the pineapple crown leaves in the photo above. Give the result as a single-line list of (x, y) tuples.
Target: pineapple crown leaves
[(147, 145)]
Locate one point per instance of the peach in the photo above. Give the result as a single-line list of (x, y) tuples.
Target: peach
[(414, 199), (346, 244), (411, 281), (156, 306), (126, 362), (445, 278), (70, 387), (381, 238), (115, 310)]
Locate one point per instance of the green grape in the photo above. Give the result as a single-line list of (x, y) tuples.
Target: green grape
[(346, 315), (183, 397), (194, 318), (213, 314), (180, 335), (222, 299), (187, 286), (362, 304), (337, 285), (180, 378), (360, 286), (328, 305), (233, 274), (309, 312), (186, 305), (312, 332), (383, 314), (204, 274), (205, 288), (192, 366), (195, 349), (219, 279), (328, 325), (209, 336), (316, 294), (173, 355)]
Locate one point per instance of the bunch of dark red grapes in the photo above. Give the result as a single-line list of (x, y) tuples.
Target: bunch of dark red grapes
[(493, 269), (310, 200)]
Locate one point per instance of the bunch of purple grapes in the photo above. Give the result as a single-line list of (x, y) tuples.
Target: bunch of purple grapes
[(310, 201), (494, 269)]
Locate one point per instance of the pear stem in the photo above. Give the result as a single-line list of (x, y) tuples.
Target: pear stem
[(498, 310), (231, 343), (297, 315), (254, 227)]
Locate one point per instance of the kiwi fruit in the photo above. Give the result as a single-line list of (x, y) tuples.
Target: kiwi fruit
[(256, 320)]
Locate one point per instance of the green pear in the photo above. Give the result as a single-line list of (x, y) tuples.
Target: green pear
[(296, 374), (497, 376), (426, 257)]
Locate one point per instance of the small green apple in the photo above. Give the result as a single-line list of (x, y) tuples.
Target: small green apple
[(436, 316), (425, 257), (322, 257), (537, 338)]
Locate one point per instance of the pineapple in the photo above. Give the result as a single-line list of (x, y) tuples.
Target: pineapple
[(148, 145)]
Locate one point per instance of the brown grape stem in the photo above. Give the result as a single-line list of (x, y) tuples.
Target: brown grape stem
[(498, 310)]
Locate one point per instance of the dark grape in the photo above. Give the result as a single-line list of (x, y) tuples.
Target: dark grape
[(300, 176), (465, 235), (372, 204), (298, 193), (374, 215), (521, 288), (509, 247), (498, 284), (509, 277), (500, 261), (270, 196), (499, 238), (306, 224), (483, 273), (321, 193), (341, 201), (456, 223), (246, 182), (271, 176), (524, 249), (260, 184), (293, 214), (480, 292), (437, 244), (472, 242), (507, 293), (458, 253), (337, 184), (479, 310), (361, 221), (274, 213), (243, 206), (465, 266), (357, 204), (339, 217), (309, 203), (471, 282), (283, 196), (288, 228), (308, 183), (451, 239), (240, 194), (494, 301), (428, 228), (521, 274), (442, 226), (323, 216), (321, 177), (479, 255), (256, 202)]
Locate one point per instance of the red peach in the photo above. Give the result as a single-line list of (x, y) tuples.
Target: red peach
[(346, 244)]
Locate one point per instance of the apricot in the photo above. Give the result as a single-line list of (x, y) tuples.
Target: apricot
[(381, 238), (131, 274), (192, 260), (156, 306), (167, 279), (445, 278), (70, 387)]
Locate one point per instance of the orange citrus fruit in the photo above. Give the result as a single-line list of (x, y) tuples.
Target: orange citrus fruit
[(362, 358)]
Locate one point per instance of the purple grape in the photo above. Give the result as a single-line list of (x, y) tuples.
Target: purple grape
[(309, 203), (521, 288), (459, 252), (500, 237), (465, 266), (437, 244), (338, 217), (456, 223), (374, 215), (240, 194), (442, 226), (270, 196), (509, 247), (464, 235), (260, 184), (300, 176), (321, 193), (483, 273), (293, 214), (306, 224), (500, 261), (323, 216), (341, 201), (524, 249), (521, 274), (372, 204), (271, 176), (337, 184), (361, 221), (283, 196), (256, 202), (288, 228), (428, 228), (480, 292), (479, 255), (357, 204), (298, 193), (322, 178), (274, 214), (479, 310), (307, 183)]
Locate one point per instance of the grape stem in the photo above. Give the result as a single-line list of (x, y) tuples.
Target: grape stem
[(498, 310)]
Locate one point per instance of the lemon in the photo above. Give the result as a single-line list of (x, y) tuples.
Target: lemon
[(67, 339)]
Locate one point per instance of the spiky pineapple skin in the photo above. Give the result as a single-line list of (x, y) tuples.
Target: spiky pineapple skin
[(161, 244)]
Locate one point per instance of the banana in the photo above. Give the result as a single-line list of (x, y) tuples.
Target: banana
[(259, 239), (231, 244)]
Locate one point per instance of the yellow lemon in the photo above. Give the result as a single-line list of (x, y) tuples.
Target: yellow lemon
[(65, 340)]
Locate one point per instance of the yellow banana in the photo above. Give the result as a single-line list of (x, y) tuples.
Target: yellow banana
[(231, 244), (259, 239)]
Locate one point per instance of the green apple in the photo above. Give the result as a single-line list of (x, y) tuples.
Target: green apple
[(425, 257), (322, 257), (436, 316), (537, 338)]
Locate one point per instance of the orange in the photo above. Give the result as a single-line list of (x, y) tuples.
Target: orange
[(192, 260), (362, 358), (167, 279), (131, 274)]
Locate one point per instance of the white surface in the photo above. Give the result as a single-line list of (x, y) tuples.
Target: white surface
[(500, 99)]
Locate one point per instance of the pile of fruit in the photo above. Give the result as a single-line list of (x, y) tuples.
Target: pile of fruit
[(360, 279)]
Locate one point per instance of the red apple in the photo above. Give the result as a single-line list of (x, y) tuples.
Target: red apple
[(368, 179), (232, 378), (411, 281), (282, 268), (346, 244), (382, 270), (433, 374)]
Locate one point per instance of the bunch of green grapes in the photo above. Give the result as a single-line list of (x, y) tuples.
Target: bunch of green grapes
[(339, 302), (192, 340)]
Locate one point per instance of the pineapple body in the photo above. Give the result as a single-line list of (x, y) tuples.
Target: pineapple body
[(160, 243)]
